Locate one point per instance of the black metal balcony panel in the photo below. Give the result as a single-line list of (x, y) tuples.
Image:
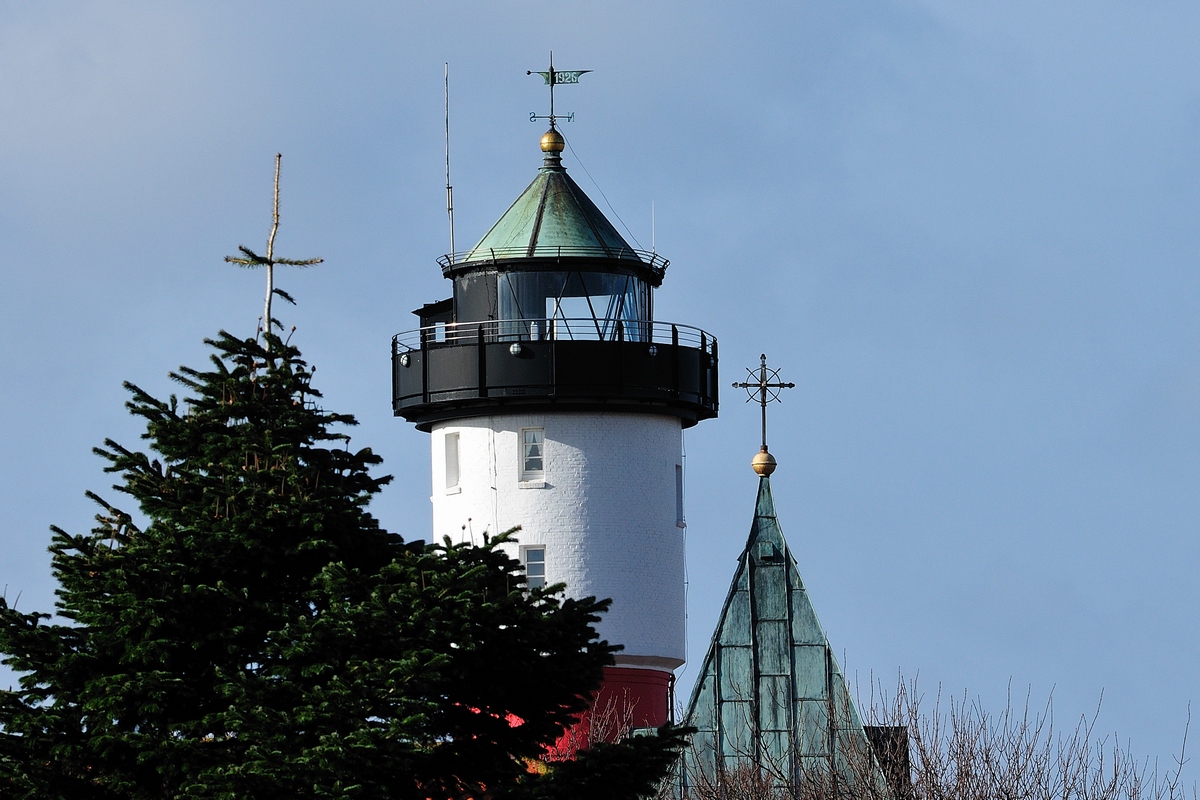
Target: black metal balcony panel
[(517, 375), (463, 378)]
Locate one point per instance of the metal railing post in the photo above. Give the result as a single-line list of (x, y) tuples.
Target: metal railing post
[(675, 360), (712, 376), (424, 369), (481, 361)]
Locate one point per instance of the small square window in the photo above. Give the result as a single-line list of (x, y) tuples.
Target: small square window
[(533, 454), (535, 567)]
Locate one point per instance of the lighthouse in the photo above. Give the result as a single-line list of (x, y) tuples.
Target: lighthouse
[(556, 402)]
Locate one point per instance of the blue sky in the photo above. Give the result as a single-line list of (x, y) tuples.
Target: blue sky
[(968, 232)]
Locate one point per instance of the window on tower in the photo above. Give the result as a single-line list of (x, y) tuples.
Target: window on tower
[(679, 519), (533, 454), (451, 461), (535, 566)]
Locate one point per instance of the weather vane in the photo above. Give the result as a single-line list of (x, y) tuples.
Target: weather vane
[(763, 386), (554, 78)]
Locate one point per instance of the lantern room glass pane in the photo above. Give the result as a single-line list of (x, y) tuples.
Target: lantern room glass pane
[(575, 305)]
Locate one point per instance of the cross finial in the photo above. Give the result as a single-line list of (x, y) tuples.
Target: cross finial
[(554, 78), (763, 386)]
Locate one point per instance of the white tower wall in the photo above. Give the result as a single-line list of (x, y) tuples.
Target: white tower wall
[(607, 509)]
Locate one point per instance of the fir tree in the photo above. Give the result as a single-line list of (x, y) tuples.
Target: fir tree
[(260, 636)]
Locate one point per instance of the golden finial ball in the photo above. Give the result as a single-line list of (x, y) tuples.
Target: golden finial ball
[(553, 142), (763, 463)]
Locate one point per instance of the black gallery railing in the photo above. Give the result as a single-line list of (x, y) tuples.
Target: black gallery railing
[(580, 329)]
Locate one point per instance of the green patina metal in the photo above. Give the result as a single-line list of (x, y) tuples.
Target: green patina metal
[(770, 696), (552, 216)]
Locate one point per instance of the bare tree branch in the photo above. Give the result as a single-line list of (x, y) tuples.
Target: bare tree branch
[(251, 259)]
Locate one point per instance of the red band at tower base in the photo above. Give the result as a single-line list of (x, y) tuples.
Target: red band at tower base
[(628, 698), (639, 698)]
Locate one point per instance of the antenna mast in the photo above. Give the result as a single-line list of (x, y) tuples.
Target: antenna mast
[(449, 188)]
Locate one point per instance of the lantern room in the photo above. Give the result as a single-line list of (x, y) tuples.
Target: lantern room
[(552, 308)]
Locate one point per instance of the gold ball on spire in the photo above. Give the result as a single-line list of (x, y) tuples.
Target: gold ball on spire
[(763, 463), (553, 142)]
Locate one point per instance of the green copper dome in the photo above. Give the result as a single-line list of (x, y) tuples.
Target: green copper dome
[(552, 217)]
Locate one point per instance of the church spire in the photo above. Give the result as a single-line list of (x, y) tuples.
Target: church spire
[(770, 696)]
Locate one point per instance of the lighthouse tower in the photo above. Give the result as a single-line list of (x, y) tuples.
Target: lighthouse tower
[(555, 401)]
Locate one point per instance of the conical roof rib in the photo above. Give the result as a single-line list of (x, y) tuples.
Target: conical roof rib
[(537, 219)]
